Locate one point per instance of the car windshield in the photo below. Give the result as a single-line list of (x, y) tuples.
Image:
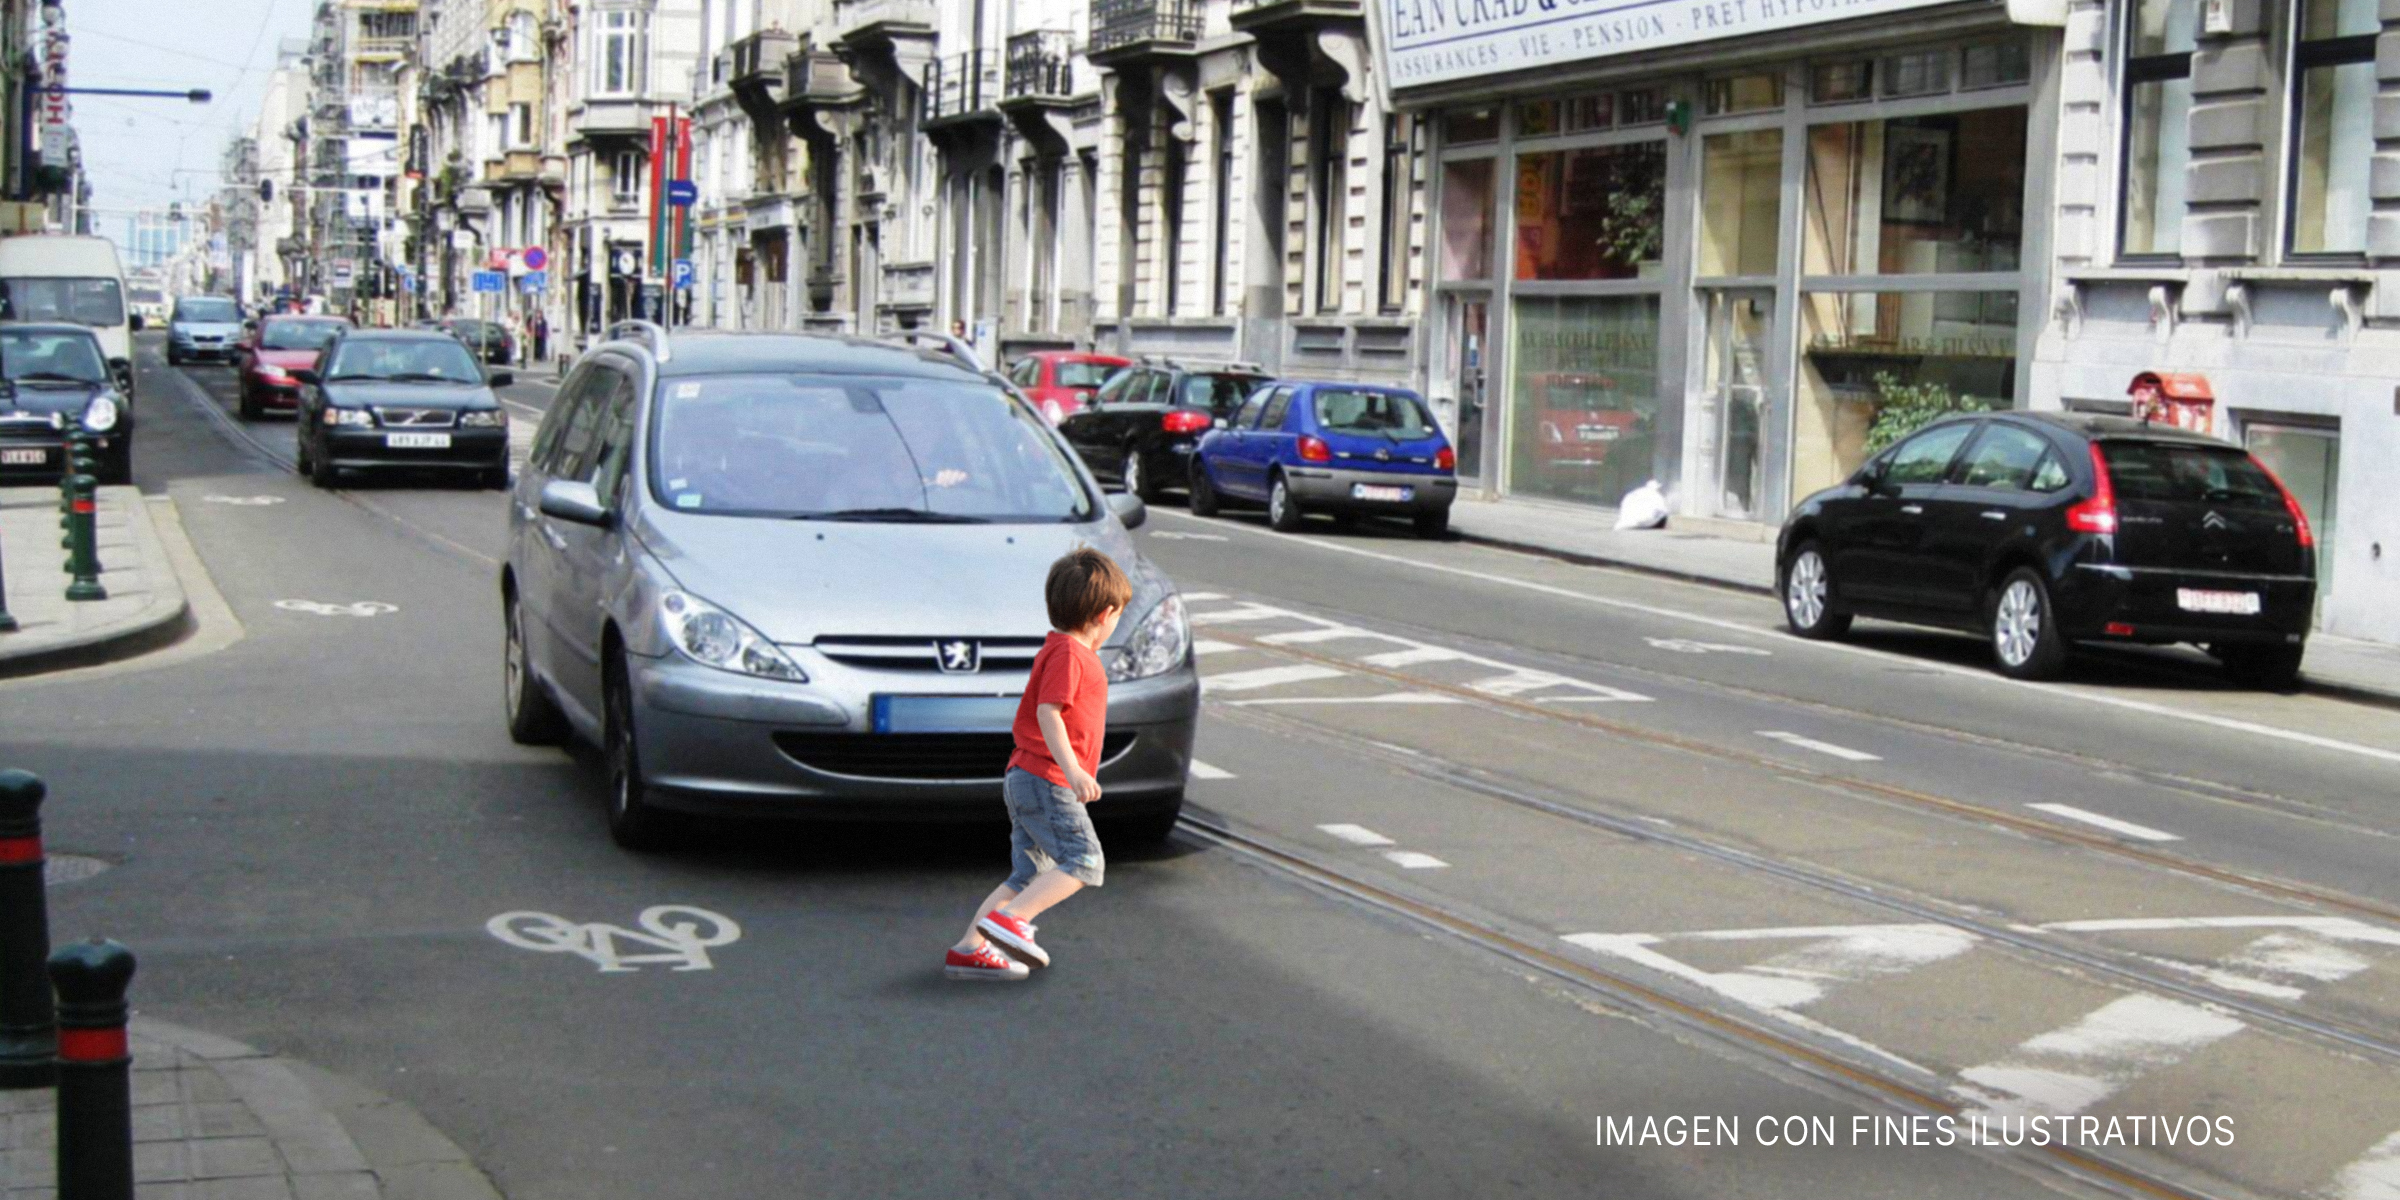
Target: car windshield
[(859, 449), (1372, 414), (95, 302), (2189, 474), (1220, 394), (211, 310), (37, 356), (428, 359), (1084, 374), (298, 335)]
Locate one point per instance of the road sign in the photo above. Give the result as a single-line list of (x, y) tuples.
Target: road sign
[(683, 274), (536, 259), (344, 270), (682, 193), (534, 281), (490, 281)]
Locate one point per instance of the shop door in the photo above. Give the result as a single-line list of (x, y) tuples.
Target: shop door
[(2307, 459), (1735, 389), (1465, 319)]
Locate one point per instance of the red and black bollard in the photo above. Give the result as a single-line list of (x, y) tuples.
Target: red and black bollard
[(28, 1025), (95, 1083)]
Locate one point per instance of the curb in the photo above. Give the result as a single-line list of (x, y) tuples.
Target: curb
[(358, 1142), (161, 623)]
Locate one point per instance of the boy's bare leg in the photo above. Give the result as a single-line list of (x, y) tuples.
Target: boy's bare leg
[(1000, 895), (1046, 890)]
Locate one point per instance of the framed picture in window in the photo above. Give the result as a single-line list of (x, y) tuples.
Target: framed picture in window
[(1916, 174)]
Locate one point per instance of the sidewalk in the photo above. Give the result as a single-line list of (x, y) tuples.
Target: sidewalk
[(1741, 555), (145, 608), (217, 1120)]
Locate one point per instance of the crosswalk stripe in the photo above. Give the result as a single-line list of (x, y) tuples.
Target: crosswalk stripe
[(2375, 1176), (1243, 681), (1413, 656), (1212, 646), (1411, 860), (1201, 770), (2074, 1067), (1356, 835)]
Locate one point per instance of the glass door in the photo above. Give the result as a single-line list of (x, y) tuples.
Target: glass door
[(1736, 399), (2307, 460), (1466, 319)]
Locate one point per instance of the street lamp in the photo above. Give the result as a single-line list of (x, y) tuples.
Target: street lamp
[(195, 95)]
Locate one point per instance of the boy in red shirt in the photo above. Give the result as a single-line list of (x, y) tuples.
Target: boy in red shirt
[(1059, 722)]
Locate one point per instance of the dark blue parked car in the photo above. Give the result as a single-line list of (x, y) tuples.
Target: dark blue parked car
[(1342, 449)]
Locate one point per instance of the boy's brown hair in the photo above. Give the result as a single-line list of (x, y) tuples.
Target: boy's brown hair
[(1083, 584)]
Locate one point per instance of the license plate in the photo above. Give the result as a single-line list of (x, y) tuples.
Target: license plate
[(23, 458), (417, 441), (1377, 491), (944, 714), (2243, 604), (1596, 433)]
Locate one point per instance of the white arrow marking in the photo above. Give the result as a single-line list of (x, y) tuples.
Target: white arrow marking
[(356, 608), (1793, 739), (2111, 824), (1688, 646), (1356, 835)]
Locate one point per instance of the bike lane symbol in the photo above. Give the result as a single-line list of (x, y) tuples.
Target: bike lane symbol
[(674, 933)]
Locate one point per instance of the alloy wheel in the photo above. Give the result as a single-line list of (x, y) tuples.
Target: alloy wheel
[(513, 662), (1804, 592), (1133, 473), (2017, 626)]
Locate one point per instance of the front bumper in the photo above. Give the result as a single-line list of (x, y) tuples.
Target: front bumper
[(53, 450), (2095, 596), (719, 743), (279, 396), (1325, 489), (198, 348), (469, 449)]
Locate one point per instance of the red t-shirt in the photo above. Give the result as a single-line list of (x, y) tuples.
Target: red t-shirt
[(1065, 673)]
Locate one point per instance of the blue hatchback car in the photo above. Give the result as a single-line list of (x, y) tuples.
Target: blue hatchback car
[(1343, 449)]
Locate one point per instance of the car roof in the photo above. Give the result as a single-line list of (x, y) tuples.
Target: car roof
[(715, 352), (67, 327), (2109, 427), (357, 334), (1387, 388)]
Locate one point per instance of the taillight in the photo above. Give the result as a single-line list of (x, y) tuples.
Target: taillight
[(1314, 449), (1186, 420), (1445, 459), (2291, 504), (2098, 514)]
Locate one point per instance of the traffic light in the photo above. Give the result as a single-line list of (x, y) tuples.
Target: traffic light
[(266, 191)]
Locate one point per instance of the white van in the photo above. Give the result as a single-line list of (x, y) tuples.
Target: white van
[(74, 279)]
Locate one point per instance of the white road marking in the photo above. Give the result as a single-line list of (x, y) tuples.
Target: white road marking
[(319, 608), (1410, 860), (1807, 743), (676, 933), (2375, 1176), (1190, 597), (1688, 646), (1243, 681), (1212, 646), (2072, 1068), (1331, 633), (1384, 698), (1190, 537), (1201, 770), (243, 501), (1244, 612), (2340, 929), (1412, 656), (1356, 835), (1977, 674), (1513, 680), (2111, 824)]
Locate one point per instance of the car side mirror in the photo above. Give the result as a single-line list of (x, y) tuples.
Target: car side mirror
[(1129, 509), (134, 322), (576, 502), (307, 375), (501, 379)]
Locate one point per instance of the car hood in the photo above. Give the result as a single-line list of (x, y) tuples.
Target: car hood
[(359, 393), (46, 398), (288, 359), (797, 581)]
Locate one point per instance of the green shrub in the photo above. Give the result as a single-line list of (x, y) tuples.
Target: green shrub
[(1904, 408)]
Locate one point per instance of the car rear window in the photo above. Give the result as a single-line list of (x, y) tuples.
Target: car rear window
[(300, 335), (1372, 414), (207, 308), (2164, 471), (1220, 394), (1083, 374)]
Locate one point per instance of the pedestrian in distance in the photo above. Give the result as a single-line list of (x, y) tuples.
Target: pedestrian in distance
[(1053, 850)]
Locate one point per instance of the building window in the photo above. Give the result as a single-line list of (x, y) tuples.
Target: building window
[(1995, 64), (1174, 161), (626, 181), (1468, 201), (1745, 93), (1741, 190), (1583, 422), (1916, 195), (2333, 66), (1917, 73), (520, 126), (520, 37), (2159, 39), (1591, 213), (1399, 180), (1329, 149), (1467, 126), (1220, 218), (1841, 82), (1861, 350), (620, 52)]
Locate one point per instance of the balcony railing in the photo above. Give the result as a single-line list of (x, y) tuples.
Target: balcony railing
[(760, 55), (1118, 23), (958, 85), (858, 14), (1041, 63)]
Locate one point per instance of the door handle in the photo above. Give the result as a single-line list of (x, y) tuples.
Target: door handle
[(1912, 508), (1994, 514)]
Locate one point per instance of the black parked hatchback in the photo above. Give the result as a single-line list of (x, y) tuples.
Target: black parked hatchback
[(1140, 430), (2041, 529)]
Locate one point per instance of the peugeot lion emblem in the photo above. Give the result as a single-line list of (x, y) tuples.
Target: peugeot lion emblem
[(959, 657)]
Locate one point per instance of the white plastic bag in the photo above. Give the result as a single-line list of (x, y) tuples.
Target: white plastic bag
[(1644, 507)]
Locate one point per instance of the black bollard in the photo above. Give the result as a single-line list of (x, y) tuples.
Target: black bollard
[(8, 624), (83, 538), (95, 1084), (28, 1025)]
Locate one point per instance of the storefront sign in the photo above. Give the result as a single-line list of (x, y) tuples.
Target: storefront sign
[(1436, 41)]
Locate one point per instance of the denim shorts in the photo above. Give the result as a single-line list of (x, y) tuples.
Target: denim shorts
[(1048, 827)]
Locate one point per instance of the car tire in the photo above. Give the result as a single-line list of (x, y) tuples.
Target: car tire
[(1806, 585), (1204, 492), (493, 478), (534, 718), (1141, 832), (2265, 668), (320, 471), (2026, 643), (1433, 524), (1138, 477), (172, 359), (1283, 512), (633, 822), (250, 407)]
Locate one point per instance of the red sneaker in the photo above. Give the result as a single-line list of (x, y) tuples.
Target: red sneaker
[(1014, 936), (984, 965)]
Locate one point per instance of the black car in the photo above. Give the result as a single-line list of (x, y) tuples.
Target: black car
[(489, 340), (1138, 431), (56, 377), (400, 398), (2041, 529)]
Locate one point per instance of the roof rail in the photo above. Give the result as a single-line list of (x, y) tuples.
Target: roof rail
[(955, 347), (660, 349)]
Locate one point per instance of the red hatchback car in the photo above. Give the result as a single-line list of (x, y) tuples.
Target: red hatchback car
[(1061, 382), (266, 359)]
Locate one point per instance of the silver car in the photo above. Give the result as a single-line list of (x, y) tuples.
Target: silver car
[(203, 327), (785, 574)]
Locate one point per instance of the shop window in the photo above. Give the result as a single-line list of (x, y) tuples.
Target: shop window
[(1741, 187), (1642, 106), (2333, 66), (1994, 64), (1329, 151), (1585, 406), (1841, 82), (1575, 114), (1593, 213), (1862, 350), (1918, 73), (1220, 132), (1745, 93), (1916, 195), (1468, 201), (1399, 180), (1468, 126), (2159, 39), (1538, 118)]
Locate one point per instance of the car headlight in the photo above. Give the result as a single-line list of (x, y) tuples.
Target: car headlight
[(712, 637), (101, 415), (350, 416), (1052, 412), (272, 373), (484, 418), (1157, 646)]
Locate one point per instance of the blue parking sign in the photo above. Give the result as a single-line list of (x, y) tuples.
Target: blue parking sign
[(683, 274), (490, 281)]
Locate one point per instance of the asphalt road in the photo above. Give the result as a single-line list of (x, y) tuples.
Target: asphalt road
[(1488, 849)]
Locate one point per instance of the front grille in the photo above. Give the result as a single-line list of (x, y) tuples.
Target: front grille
[(926, 757), (885, 653), (417, 418)]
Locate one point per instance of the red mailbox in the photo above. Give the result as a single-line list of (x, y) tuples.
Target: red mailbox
[(2178, 398)]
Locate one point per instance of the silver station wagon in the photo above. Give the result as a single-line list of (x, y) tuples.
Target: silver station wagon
[(797, 575)]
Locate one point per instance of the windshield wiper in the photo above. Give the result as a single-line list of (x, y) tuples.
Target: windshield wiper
[(52, 377), (917, 516), (423, 377), (352, 375)]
